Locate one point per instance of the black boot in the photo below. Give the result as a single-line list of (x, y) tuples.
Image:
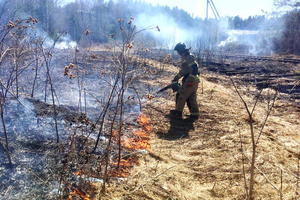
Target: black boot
[(175, 114), (193, 117)]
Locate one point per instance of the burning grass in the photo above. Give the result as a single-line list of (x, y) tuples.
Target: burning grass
[(136, 140), (139, 141), (77, 193), (135, 144), (143, 120), (143, 134), (208, 163)]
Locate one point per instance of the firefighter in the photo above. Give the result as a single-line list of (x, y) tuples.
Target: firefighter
[(188, 92)]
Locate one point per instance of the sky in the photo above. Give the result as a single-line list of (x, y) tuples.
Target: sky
[(242, 8)]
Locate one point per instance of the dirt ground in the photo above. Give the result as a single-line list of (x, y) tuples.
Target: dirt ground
[(204, 159)]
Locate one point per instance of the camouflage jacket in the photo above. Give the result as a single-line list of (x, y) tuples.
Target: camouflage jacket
[(188, 69)]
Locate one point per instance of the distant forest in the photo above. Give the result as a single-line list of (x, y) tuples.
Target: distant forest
[(101, 19)]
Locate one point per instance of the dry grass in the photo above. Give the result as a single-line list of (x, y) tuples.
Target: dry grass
[(208, 163)]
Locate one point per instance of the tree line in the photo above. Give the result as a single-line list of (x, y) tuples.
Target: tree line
[(100, 19), (289, 41)]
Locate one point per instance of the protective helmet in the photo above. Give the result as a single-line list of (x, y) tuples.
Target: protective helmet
[(180, 47)]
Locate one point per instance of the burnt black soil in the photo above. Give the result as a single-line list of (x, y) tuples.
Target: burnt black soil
[(263, 74)]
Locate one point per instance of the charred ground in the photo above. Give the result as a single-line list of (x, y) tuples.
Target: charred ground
[(204, 160), (161, 158)]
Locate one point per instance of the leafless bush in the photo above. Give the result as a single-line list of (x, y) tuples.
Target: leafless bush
[(125, 76), (36, 44), (101, 157), (13, 48), (249, 185)]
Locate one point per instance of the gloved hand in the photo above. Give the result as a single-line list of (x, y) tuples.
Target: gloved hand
[(175, 86), (176, 78), (174, 81)]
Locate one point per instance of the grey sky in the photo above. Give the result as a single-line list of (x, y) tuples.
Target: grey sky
[(243, 8)]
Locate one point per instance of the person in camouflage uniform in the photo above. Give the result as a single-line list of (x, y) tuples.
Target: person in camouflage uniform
[(188, 92)]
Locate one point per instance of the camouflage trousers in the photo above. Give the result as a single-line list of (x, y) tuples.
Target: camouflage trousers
[(188, 94)]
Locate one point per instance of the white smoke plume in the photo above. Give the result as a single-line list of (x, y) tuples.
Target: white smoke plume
[(170, 32), (65, 42), (257, 41)]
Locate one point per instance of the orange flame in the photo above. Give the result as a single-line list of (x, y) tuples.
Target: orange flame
[(141, 134), (120, 172), (143, 120), (148, 128), (114, 133), (78, 193), (134, 143), (78, 173), (149, 96), (126, 163), (139, 142), (124, 167)]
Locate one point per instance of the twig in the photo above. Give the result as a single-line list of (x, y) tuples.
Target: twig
[(243, 163), (138, 96), (108, 148), (264, 175), (5, 147), (14, 96), (298, 176), (281, 181), (266, 118), (213, 187), (47, 63), (256, 101), (286, 171), (253, 157), (104, 112)]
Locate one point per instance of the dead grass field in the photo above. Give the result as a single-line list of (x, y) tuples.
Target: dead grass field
[(204, 160)]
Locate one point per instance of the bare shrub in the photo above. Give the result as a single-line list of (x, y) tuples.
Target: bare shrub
[(250, 184)]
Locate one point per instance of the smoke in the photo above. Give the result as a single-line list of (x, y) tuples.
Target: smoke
[(253, 41), (65, 2), (257, 39), (247, 38), (65, 42), (36, 32), (170, 32), (175, 26)]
